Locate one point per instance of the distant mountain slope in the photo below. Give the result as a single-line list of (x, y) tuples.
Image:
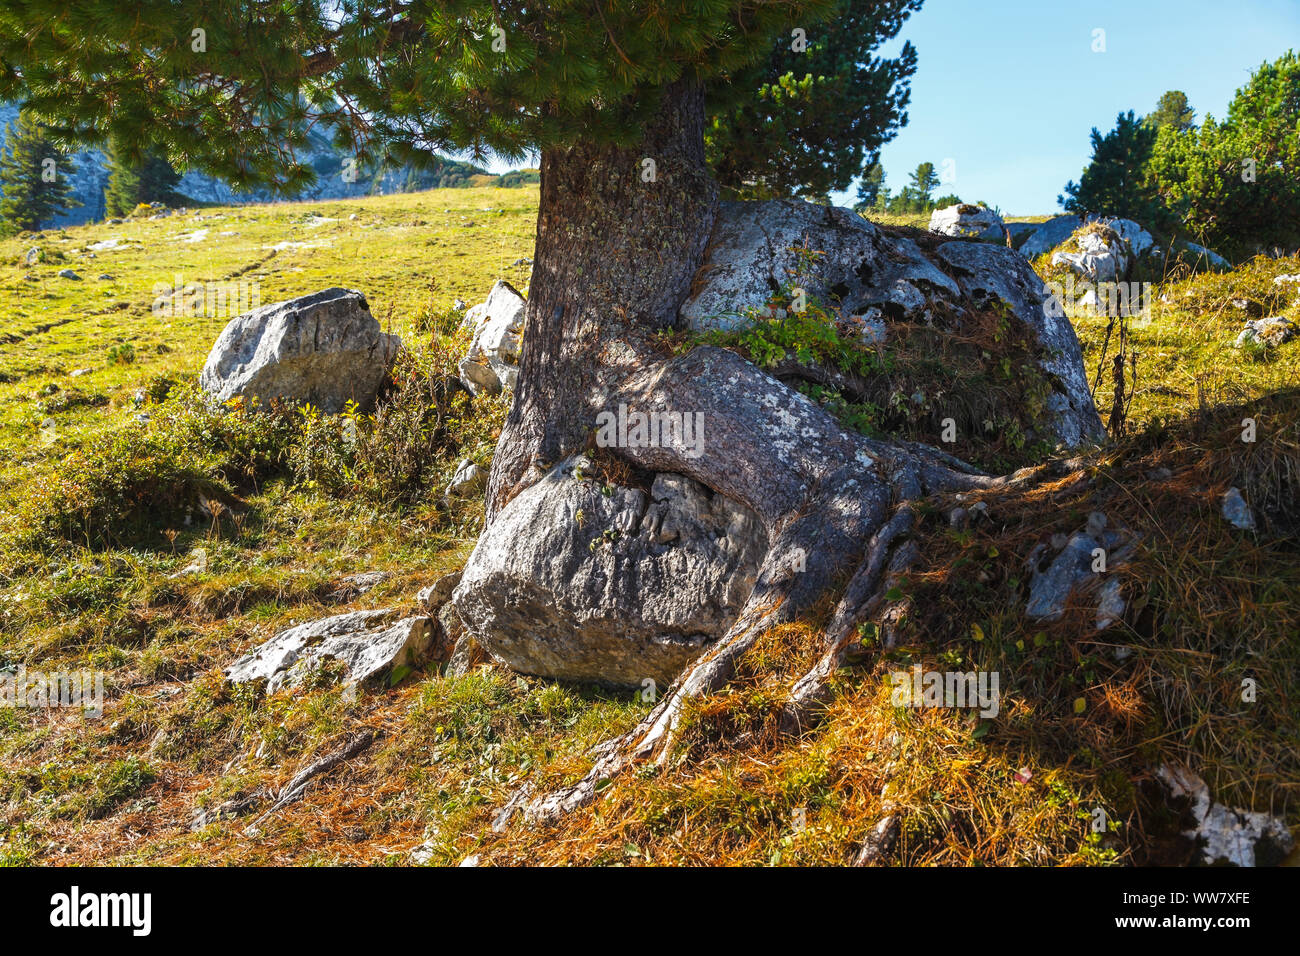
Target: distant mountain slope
[(89, 175)]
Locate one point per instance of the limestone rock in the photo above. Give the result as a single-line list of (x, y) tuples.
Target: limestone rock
[(1236, 511), (1099, 254), (324, 349), (1212, 257), (352, 586), (1048, 235), (758, 247), (468, 479), (1054, 579), (968, 221), (580, 581), (433, 597), (492, 362), (991, 274), (1273, 330), (1224, 835), (369, 643)]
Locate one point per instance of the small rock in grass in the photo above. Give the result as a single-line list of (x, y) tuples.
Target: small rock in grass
[(1236, 511), (468, 479), (1226, 835), (354, 585), (423, 853), (1274, 330), (369, 643)]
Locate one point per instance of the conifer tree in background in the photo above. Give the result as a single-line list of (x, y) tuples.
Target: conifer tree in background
[(872, 191), (1173, 111), (1235, 185), (132, 181), (923, 182), (812, 116), (33, 177), (1116, 181)]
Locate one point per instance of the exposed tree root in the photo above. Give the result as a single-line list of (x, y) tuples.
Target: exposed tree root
[(860, 598), (296, 788)]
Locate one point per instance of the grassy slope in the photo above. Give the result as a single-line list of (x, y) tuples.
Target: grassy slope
[(1022, 788)]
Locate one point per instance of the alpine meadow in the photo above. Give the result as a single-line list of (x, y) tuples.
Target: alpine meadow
[(650, 433)]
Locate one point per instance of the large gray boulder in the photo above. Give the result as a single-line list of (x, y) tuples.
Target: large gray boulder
[(758, 247), (989, 274), (368, 643), (581, 581), (324, 349)]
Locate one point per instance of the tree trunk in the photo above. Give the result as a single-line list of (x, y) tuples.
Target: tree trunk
[(620, 233)]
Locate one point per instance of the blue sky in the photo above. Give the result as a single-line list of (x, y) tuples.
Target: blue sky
[(1009, 89)]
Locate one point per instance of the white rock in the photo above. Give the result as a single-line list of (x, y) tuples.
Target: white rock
[(1214, 258), (324, 349), (1274, 330), (423, 853), (492, 362), (369, 643), (967, 221), (1140, 241), (1226, 835), (1110, 604), (1102, 256), (468, 479), (633, 588)]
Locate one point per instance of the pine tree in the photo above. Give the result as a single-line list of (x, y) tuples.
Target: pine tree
[(137, 179), (870, 188), (923, 182), (1116, 181), (1235, 185), (33, 177), (809, 118), (1173, 111)]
